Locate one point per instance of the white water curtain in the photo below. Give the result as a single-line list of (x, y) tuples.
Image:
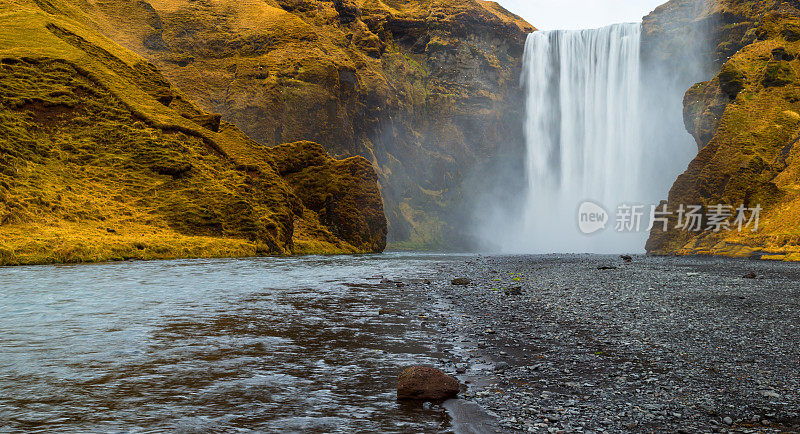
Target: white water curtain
[(583, 138)]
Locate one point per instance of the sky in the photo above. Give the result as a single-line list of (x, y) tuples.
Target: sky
[(579, 14)]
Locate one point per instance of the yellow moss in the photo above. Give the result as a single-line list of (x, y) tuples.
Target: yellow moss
[(752, 157), (101, 159), (285, 71)]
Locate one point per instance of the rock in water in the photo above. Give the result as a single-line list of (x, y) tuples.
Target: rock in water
[(461, 281), (419, 383)]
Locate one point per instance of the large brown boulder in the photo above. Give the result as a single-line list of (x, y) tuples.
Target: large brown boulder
[(426, 384)]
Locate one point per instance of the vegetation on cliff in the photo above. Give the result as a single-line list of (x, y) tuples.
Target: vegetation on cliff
[(746, 121), (101, 159), (425, 89)]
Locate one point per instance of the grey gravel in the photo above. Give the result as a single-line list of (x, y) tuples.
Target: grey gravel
[(654, 345)]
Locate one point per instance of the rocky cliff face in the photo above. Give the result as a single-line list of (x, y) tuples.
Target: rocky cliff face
[(101, 158), (427, 90), (746, 122)]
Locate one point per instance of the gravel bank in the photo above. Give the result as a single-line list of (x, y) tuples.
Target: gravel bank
[(556, 344)]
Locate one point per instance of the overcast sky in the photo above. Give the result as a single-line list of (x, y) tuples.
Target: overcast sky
[(580, 14)]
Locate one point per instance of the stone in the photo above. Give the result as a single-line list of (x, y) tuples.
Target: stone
[(727, 420), (770, 394), (461, 281), (420, 383)]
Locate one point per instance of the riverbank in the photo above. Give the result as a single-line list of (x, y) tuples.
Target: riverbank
[(594, 344), (315, 344)]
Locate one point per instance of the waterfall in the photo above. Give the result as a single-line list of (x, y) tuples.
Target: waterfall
[(583, 139)]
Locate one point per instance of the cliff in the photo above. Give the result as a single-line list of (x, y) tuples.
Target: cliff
[(746, 122), (102, 159), (426, 90)]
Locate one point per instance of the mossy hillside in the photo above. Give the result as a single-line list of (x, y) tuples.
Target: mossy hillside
[(340, 193), (422, 89), (102, 159), (746, 121), (73, 153)]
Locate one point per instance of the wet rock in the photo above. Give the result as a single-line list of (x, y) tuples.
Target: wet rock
[(750, 275), (420, 383), (461, 281), (389, 311)]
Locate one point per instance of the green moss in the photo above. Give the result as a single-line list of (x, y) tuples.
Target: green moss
[(750, 157), (778, 73), (731, 80)]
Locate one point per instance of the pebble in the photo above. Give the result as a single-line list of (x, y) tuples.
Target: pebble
[(596, 351)]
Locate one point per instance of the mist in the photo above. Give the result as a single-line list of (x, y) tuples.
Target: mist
[(603, 125)]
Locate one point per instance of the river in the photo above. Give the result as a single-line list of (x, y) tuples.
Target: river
[(311, 344)]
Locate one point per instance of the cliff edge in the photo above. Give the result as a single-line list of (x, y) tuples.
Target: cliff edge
[(746, 122), (426, 90)]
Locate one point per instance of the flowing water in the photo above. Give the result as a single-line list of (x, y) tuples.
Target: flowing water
[(583, 129), (294, 344)]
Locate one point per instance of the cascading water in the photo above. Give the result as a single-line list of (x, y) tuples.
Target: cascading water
[(583, 133)]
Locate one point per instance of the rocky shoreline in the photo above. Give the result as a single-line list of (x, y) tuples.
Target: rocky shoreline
[(598, 344)]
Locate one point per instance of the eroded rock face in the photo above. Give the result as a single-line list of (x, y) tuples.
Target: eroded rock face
[(343, 194), (746, 121), (420, 383), (101, 158), (424, 90)]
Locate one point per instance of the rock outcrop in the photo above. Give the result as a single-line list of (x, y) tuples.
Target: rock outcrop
[(426, 90), (746, 122), (102, 159)]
